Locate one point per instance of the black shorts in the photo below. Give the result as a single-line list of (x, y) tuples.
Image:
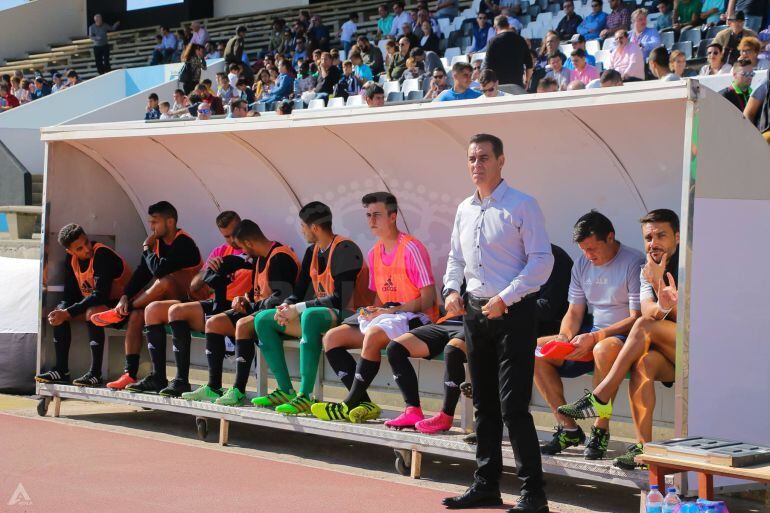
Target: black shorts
[(436, 336), (236, 316), (210, 308)]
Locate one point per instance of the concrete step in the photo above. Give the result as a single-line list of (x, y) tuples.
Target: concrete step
[(37, 198)]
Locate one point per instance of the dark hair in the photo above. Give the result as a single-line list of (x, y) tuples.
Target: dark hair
[(249, 230), (163, 208), (240, 82), (548, 82), (497, 144), (373, 88), (225, 218), (501, 21), (610, 75), (72, 73), (285, 107), (237, 104), (391, 205), (487, 76), (234, 66), (579, 52), (457, 67), (662, 215), (317, 213), (659, 56), (593, 223), (240, 28), (180, 91), (416, 52), (715, 45), (554, 54), (69, 234), (189, 51), (153, 96)]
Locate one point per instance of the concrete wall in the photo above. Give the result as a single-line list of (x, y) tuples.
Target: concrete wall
[(232, 7), (14, 178), (54, 21)]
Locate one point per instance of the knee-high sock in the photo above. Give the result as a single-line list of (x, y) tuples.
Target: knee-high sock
[(344, 366), (132, 365), (454, 375), (215, 354), (156, 343), (181, 341), (96, 344), (244, 357), (403, 373), (315, 322), (366, 370), (271, 345), (62, 338)]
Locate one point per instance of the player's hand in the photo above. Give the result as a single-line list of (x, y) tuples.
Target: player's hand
[(561, 338), (653, 272), (453, 304), (583, 344), (667, 294), (58, 317), (215, 263), (122, 306), (239, 304), (283, 316), (150, 240), (372, 312), (494, 308)]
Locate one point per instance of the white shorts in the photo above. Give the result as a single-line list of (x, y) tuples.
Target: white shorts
[(394, 325)]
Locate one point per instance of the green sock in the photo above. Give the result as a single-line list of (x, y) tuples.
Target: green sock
[(315, 322), (271, 345)]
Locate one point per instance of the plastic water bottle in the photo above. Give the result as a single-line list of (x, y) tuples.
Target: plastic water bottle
[(654, 503), (671, 501)]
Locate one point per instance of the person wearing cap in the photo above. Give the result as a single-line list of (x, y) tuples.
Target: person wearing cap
[(731, 37), (739, 92), (579, 43), (714, 63), (568, 25), (641, 35), (753, 11)]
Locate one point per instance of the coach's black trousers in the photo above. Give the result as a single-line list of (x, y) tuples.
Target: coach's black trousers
[(501, 359)]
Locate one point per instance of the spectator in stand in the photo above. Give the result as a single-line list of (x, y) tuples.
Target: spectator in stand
[(427, 60), (347, 31), (429, 40), (211, 51), (400, 16), (276, 36), (579, 43), (412, 71), (371, 55), (41, 88), (168, 44), (480, 33), (285, 47), (153, 111), (748, 49), (181, 44), (262, 84), (348, 84), (582, 71), (568, 26), (234, 53), (665, 21), (658, 62), (328, 78), (758, 109), (98, 34), (407, 32), (714, 64), (225, 89), (508, 55), (16, 86), (619, 18), (594, 24), (490, 7), (447, 8), (23, 93), (165, 109), (739, 92), (361, 71), (245, 93), (238, 109), (731, 37), (754, 11), (7, 100), (397, 65), (627, 58), (549, 46), (157, 51), (461, 73), (282, 108), (687, 14), (300, 51), (73, 78), (203, 111), (711, 12), (438, 84), (391, 49), (194, 64), (305, 80), (215, 102), (611, 78), (576, 85), (422, 16), (235, 72), (641, 35), (490, 87), (384, 22), (547, 85), (374, 95), (318, 34), (283, 85), (677, 63), (198, 35), (558, 72), (57, 82)]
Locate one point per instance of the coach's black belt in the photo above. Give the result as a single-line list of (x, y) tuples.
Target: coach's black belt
[(478, 302)]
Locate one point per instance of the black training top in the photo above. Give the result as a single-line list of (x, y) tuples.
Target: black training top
[(180, 254), (552, 298), (107, 267)]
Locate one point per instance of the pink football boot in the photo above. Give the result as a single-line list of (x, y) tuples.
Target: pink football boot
[(437, 424), (408, 419)]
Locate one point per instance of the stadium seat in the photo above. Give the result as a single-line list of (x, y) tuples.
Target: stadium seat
[(533, 11), (451, 53), (444, 62), (445, 26), (390, 87), (409, 85), (259, 107), (685, 47), (395, 96), (604, 57), (382, 79), (415, 95), (667, 40), (565, 48), (554, 9), (454, 38), (381, 45), (526, 32), (608, 44), (692, 35), (524, 19), (336, 103), (478, 56), (316, 104), (298, 104), (545, 19), (702, 47), (459, 58), (467, 27), (713, 31), (355, 100)]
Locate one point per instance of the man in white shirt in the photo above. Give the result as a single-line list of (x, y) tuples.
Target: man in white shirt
[(199, 34), (400, 16), (347, 31)]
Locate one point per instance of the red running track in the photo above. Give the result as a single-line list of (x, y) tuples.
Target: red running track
[(66, 468)]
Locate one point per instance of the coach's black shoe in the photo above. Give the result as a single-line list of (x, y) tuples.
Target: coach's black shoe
[(471, 439), (596, 447), (530, 503), (175, 388), (88, 380), (474, 497), (53, 377), (149, 383)]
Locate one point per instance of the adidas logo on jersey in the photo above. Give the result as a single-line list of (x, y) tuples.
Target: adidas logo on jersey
[(341, 374), (388, 286), (208, 352), (94, 343), (150, 346), (176, 349), (451, 384), (240, 359)]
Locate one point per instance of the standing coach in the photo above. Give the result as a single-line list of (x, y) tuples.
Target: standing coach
[(500, 247)]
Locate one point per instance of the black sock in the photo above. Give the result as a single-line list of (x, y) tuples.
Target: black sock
[(454, 375), (96, 343), (156, 343), (181, 340), (62, 337), (344, 366), (403, 373), (366, 370), (132, 365), (244, 356), (215, 354)]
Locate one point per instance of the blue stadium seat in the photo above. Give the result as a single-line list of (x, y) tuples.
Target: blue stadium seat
[(685, 47), (415, 95), (702, 47), (667, 38), (395, 96), (713, 31)]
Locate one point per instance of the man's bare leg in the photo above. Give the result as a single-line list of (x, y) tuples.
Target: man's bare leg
[(550, 386), (651, 367), (605, 353)]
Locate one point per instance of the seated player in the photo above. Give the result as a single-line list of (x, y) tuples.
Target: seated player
[(94, 277), (275, 271), (448, 336), (334, 275), (228, 275), (650, 351), (170, 260), (606, 279), (401, 277)]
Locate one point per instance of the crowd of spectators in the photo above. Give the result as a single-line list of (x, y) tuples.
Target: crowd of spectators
[(16, 89)]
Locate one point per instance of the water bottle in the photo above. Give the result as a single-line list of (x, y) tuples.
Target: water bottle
[(671, 501), (654, 503)]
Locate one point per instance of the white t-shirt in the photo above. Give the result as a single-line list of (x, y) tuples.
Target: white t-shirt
[(348, 30)]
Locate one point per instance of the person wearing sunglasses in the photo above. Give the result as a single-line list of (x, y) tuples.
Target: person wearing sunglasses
[(594, 23), (438, 84), (490, 86), (739, 92), (480, 34), (714, 63), (204, 111)]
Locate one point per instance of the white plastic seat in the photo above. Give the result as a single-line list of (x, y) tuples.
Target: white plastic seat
[(459, 58), (409, 85), (592, 46), (318, 103), (336, 103), (608, 44), (451, 52), (355, 100), (478, 56), (391, 87)]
